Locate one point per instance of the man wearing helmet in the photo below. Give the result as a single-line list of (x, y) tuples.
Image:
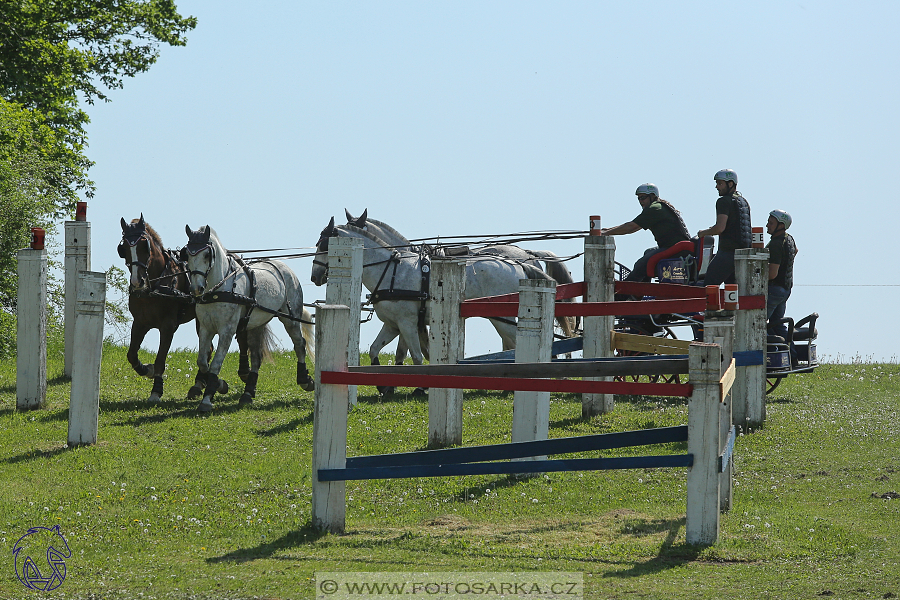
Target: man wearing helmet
[(663, 221), (782, 250), (732, 226)]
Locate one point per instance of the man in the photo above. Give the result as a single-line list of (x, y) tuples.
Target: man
[(782, 250), (732, 226), (663, 221)]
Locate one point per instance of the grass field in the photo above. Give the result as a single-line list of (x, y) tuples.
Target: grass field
[(170, 504)]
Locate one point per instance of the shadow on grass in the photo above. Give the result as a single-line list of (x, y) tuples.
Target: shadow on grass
[(287, 427), (60, 379), (305, 535), (36, 455), (670, 555)]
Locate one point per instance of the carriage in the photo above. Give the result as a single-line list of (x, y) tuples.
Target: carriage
[(685, 263)]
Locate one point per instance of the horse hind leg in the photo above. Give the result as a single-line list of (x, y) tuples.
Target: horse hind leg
[(256, 340), (301, 336), (243, 356)]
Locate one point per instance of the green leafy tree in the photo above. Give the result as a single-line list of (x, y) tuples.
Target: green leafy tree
[(55, 54)]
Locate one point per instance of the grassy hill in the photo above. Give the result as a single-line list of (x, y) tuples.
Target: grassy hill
[(170, 504)]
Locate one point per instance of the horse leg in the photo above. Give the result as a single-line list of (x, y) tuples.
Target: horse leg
[(409, 331), (159, 366), (202, 362), (385, 336), (138, 332), (254, 339), (213, 383), (243, 356), (507, 333), (301, 335)]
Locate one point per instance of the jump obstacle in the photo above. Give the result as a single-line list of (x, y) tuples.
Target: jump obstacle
[(712, 371)]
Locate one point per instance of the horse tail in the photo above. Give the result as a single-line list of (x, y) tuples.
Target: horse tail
[(555, 267), (268, 344), (534, 272), (309, 334)]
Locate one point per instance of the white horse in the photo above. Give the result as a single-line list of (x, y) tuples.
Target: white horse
[(231, 296), (387, 270)]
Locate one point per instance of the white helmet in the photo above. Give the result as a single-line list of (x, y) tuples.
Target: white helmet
[(782, 217), (647, 188), (726, 175)]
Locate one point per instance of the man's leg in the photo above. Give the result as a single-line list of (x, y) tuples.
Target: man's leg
[(720, 269)]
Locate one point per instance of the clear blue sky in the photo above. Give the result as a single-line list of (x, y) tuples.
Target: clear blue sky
[(463, 118)]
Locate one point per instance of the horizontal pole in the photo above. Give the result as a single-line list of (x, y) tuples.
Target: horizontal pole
[(585, 368), (589, 309), (751, 302), (748, 358), (569, 386), (567, 445), (509, 468), (659, 290)]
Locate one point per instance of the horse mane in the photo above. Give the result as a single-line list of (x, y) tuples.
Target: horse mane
[(157, 241), (367, 234), (387, 227)]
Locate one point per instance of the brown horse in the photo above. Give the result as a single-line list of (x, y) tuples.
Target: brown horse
[(158, 299)]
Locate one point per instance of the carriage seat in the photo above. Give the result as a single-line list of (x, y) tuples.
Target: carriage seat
[(805, 328), (683, 262)]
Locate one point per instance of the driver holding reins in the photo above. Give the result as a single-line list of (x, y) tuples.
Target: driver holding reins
[(663, 221)]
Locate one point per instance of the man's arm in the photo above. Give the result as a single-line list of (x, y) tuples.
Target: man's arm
[(719, 227), (773, 270), (623, 229)]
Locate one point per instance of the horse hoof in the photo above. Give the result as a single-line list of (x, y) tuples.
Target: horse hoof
[(205, 406), (420, 392), (308, 386), (223, 386), (194, 392), (154, 398), (243, 376), (245, 399)]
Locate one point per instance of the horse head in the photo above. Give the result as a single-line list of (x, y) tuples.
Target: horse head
[(319, 274), (199, 255), (137, 255)]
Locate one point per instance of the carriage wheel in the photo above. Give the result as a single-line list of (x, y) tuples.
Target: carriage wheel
[(772, 383), (645, 378)]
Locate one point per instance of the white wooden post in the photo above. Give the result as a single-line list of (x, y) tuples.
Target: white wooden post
[(447, 340), (718, 328), (751, 268), (77, 258), (31, 329), (534, 341), (84, 397), (329, 504), (599, 280), (702, 522), (345, 264)]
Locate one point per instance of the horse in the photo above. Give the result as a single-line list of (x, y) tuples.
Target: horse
[(394, 296), (233, 296), (553, 266), (158, 299)]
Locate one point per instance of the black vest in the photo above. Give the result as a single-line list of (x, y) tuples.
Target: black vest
[(785, 277), (738, 230)]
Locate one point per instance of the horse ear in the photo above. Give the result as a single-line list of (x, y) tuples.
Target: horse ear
[(124, 224), (330, 227), (208, 231), (182, 255), (142, 219), (187, 230), (121, 249), (350, 218), (364, 216)]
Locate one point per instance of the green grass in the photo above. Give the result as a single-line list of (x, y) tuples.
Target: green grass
[(175, 505)]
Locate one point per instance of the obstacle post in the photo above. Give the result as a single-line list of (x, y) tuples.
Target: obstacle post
[(534, 341), (718, 328), (345, 264), (333, 324), (31, 329), (599, 280), (77, 259), (702, 522), (751, 271), (84, 396), (447, 338)]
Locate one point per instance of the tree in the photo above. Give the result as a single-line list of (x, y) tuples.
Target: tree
[(52, 52)]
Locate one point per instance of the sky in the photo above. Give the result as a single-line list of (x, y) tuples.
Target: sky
[(473, 118)]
